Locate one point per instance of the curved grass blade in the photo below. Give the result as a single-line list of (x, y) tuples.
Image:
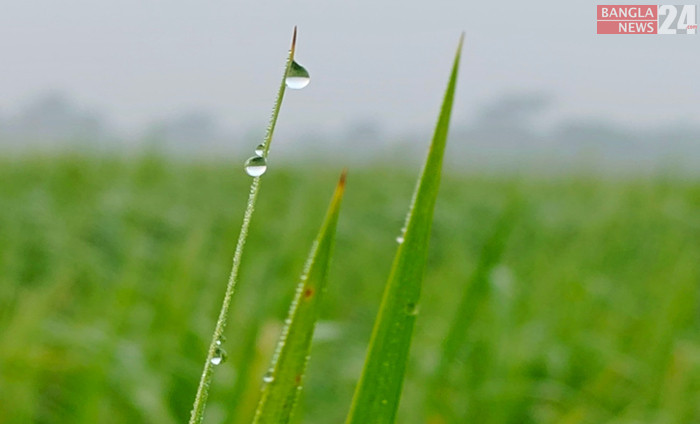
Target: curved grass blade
[(197, 414), (377, 394), (283, 381)]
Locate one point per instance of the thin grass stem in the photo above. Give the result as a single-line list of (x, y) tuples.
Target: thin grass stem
[(197, 414)]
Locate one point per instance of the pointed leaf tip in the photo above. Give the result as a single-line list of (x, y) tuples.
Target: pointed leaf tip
[(460, 44), (294, 41), (343, 177)]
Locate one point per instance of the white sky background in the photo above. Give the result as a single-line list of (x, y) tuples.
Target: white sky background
[(139, 60)]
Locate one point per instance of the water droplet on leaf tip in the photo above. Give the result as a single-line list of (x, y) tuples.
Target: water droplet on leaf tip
[(255, 166), (297, 76)]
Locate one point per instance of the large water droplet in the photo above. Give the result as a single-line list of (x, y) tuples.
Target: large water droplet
[(255, 166), (269, 377), (219, 355), (297, 77), (260, 149)]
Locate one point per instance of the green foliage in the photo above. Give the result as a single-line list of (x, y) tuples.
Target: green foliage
[(377, 395), (439, 407), (111, 269), (286, 375)]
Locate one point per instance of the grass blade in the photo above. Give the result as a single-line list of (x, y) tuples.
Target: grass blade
[(197, 414), (284, 379), (377, 394)]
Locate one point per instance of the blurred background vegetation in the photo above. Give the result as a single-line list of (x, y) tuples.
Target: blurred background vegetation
[(584, 291)]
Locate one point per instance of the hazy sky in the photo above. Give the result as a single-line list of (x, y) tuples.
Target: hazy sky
[(139, 60)]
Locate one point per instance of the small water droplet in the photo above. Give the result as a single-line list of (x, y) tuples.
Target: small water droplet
[(260, 149), (269, 377), (399, 239), (219, 355), (412, 309), (297, 77), (255, 166)]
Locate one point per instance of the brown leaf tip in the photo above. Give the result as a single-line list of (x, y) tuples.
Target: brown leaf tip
[(343, 176), (294, 39)]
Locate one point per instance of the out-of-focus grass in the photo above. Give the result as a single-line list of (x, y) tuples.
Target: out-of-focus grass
[(111, 272)]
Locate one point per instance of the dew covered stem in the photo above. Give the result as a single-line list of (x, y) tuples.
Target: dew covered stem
[(215, 349)]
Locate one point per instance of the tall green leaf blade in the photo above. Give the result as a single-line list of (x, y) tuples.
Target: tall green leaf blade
[(377, 394), (200, 400), (284, 380)]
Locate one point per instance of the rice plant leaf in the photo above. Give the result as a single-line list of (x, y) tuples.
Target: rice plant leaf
[(200, 401), (284, 380), (377, 394)]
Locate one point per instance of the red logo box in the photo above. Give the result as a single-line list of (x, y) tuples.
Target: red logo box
[(627, 19)]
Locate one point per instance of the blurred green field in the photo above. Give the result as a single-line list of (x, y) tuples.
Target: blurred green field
[(112, 272)]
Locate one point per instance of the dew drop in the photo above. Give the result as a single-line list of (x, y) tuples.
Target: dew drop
[(260, 149), (269, 377), (297, 77), (399, 238), (219, 354), (412, 309), (255, 166)]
